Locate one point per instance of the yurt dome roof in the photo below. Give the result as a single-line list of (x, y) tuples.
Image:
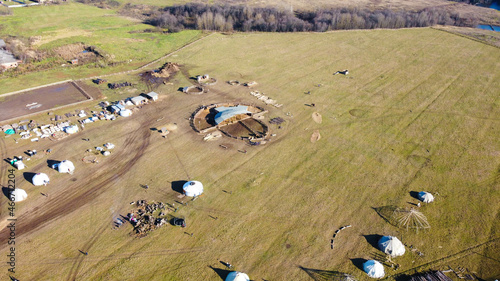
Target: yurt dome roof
[(18, 195), (374, 269), (392, 246), (40, 179), (237, 276)]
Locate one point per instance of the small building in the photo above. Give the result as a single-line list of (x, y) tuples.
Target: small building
[(139, 100), (152, 96), (116, 108), (19, 165)]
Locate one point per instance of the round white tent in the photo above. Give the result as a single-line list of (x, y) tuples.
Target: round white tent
[(66, 166), (193, 188), (391, 246), (40, 179), (425, 197), (18, 195), (125, 113), (374, 269), (237, 276)]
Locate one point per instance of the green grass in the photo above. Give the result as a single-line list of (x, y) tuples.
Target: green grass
[(426, 118), (73, 22)]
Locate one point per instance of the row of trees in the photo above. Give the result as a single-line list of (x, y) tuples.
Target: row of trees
[(485, 3), (243, 18)]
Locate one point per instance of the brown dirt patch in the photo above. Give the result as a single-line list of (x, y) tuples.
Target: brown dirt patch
[(76, 51), (317, 117), (37, 100), (315, 136), (160, 76)]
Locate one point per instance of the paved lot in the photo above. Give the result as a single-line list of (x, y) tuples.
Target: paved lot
[(38, 100)]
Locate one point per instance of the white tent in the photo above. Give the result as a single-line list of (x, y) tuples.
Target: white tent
[(71, 129), (125, 113), (193, 188), (237, 276), (425, 197), (18, 195), (66, 166), (19, 165), (374, 269), (40, 179), (391, 246)]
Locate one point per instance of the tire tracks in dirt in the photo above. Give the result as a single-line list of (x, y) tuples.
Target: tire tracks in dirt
[(75, 268), (69, 202)]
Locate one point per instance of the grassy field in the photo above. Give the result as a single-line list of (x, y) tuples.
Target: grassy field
[(419, 110), (69, 23)]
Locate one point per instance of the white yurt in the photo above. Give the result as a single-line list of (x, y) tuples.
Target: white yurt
[(374, 269), (40, 179), (66, 166), (193, 188), (125, 112), (18, 195), (391, 246), (425, 197), (237, 276)]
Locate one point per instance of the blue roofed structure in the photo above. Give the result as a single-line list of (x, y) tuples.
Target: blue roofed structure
[(224, 112)]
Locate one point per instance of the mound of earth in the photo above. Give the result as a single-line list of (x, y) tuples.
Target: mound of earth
[(167, 70), (171, 126), (317, 117), (315, 136)]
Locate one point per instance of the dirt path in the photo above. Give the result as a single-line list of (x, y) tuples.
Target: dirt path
[(79, 194)]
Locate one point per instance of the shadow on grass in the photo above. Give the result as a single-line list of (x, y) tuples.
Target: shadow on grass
[(52, 162), (28, 176), (387, 213), (177, 186), (221, 272), (6, 192), (414, 194), (373, 239), (358, 262), (326, 275)]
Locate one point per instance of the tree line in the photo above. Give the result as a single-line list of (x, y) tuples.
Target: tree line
[(485, 3), (244, 18)]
